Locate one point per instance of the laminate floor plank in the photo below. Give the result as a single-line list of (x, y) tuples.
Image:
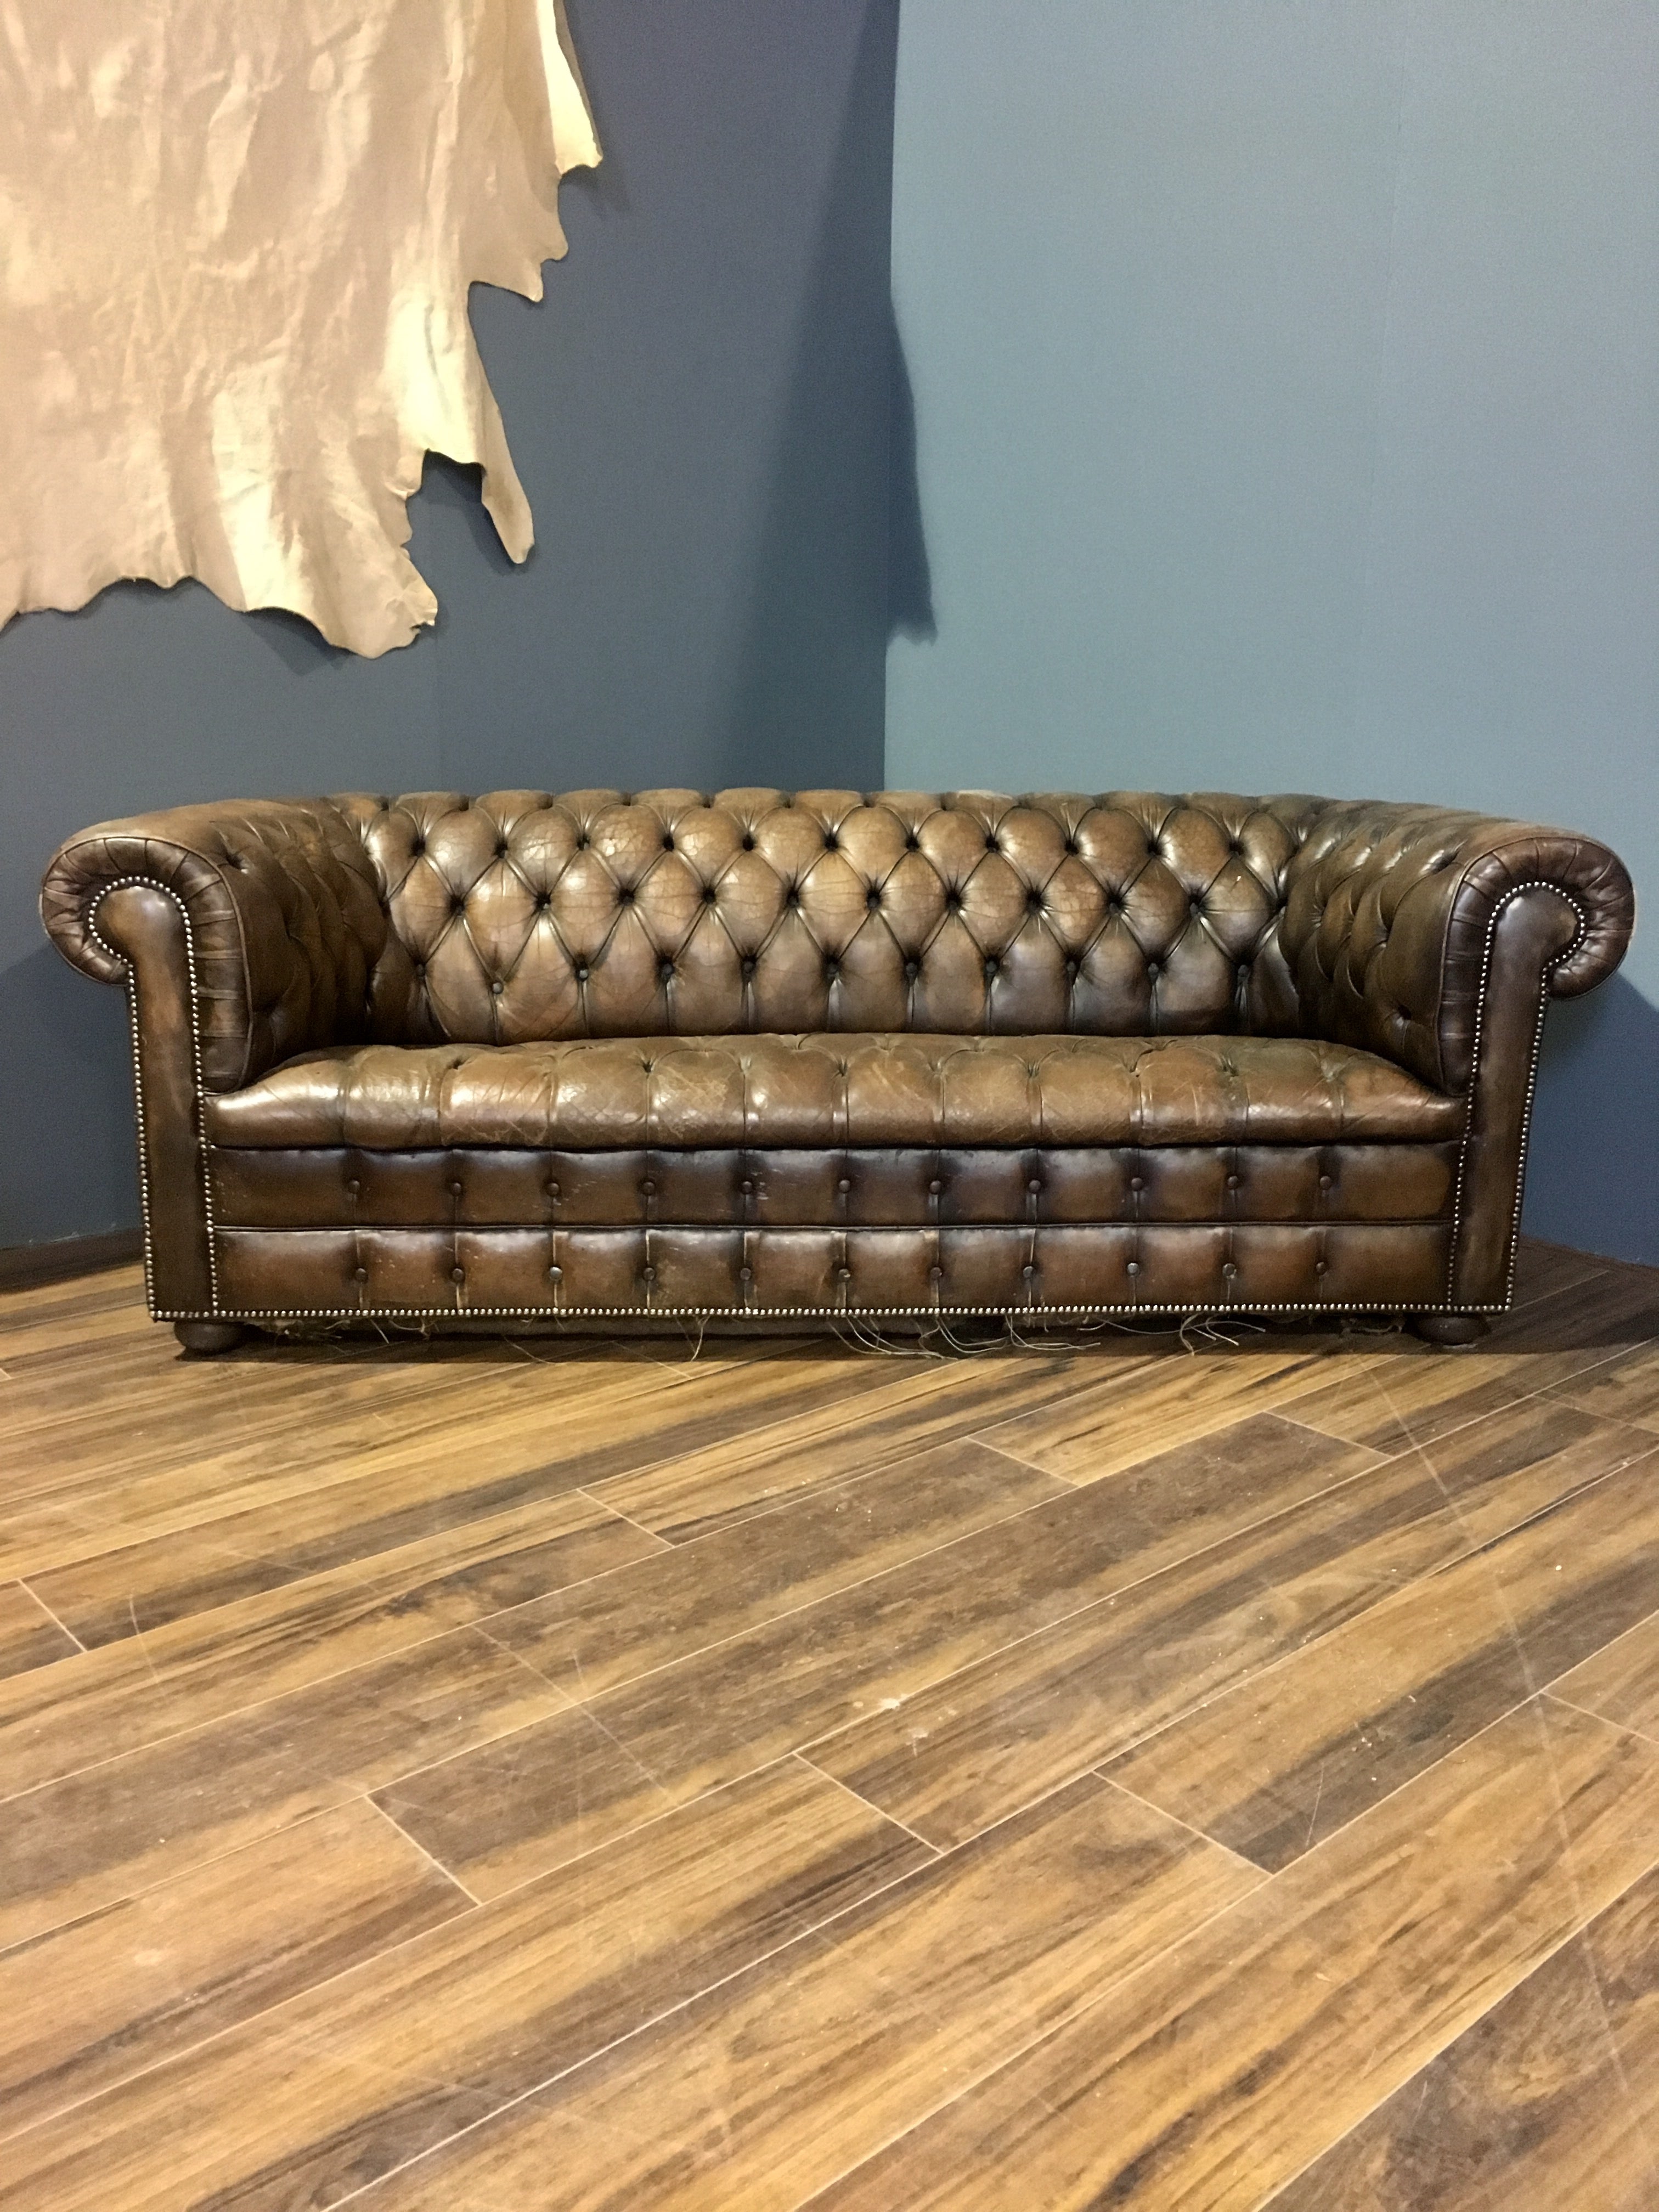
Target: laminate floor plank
[(99, 2001), (1550, 2102), (1415, 1405), (102, 1703), (105, 1832), (974, 1746), (178, 1506), (590, 1638), (1229, 2064), (561, 1429), (1290, 1755), (762, 2091), (499, 1815), (1624, 1388), (452, 1484), (1621, 1680), (1544, 1270), (699, 1493), (1093, 1772), (29, 1635), (1142, 1409), (319, 2095)]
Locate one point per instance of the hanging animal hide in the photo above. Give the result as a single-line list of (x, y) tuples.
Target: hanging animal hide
[(236, 240)]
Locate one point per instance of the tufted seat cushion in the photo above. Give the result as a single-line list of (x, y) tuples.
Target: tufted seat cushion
[(604, 1094)]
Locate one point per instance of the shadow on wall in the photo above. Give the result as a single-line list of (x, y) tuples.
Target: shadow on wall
[(811, 690), (1591, 1177)]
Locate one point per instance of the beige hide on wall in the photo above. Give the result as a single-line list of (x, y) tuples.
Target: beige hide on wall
[(236, 237)]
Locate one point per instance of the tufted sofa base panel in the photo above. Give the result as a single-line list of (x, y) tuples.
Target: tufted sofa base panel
[(271, 1273), (339, 1187)]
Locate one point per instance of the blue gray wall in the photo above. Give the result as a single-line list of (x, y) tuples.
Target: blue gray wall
[(700, 412), (1285, 408), (1286, 385)]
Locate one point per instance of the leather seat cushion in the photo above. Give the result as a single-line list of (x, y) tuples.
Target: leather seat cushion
[(603, 1094)]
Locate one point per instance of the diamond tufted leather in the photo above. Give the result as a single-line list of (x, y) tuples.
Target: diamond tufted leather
[(524, 916), (595, 974)]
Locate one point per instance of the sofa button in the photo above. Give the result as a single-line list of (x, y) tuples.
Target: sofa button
[(1137, 1183), (844, 1186), (1034, 1184), (353, 1187), (935, 1274), (497, 988), (845, 1274), (745, 1274), (747, 1188), (552, 1190), (457, 1275), (1319, 1267), (1133, 1267), (1229, 1269), (362, 1274), (1028, 1270), (454, 1190), (555, 1274), (648, 1188), (1324, 1182), (647, 1274), (936, 1186)]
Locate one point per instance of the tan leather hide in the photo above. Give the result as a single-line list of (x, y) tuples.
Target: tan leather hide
[(236, 240)]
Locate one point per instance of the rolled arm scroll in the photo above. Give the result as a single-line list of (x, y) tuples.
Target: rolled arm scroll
[(1390, 920), (283, 922)]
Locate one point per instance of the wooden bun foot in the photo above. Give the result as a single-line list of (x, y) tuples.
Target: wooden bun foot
[(204, 1338), (1448, 1329)]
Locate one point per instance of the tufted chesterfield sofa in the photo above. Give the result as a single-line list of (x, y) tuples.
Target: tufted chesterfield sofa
[(770, 1056)]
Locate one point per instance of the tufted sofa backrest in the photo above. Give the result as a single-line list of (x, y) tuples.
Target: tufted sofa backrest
[(523, 915)]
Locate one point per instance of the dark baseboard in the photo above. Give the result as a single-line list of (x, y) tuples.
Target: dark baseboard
[(22, 1266)]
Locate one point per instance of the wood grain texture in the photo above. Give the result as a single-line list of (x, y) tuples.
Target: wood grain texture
[(29, 1635), (1621, 1680), (499, 1815), (1548, 2105), (1623, 1388), (990, 1737), (321, 2095), (79, 1844), (100, 1703), (764, 2090), (1138, 1412), (117, 1992), (1221, 2072), (693, 1666), (1290, 1756), (701, 1492), (608, 1630)]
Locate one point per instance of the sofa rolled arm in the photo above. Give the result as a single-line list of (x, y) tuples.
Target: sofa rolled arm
[(1391, 918), (282, 922)]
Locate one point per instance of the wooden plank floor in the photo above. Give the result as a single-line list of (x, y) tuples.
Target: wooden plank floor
[(496, 1777)]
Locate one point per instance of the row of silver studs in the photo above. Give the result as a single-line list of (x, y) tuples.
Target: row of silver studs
[(125, 883), (217, 1312), (1515, 891), (253, 1315)]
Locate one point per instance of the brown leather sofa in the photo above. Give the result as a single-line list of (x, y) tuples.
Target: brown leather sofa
[(771, 1056)]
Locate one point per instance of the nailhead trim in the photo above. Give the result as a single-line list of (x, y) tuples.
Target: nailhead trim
[(1515, 891), (798, 1312), (126, 883), (217, 1312)]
